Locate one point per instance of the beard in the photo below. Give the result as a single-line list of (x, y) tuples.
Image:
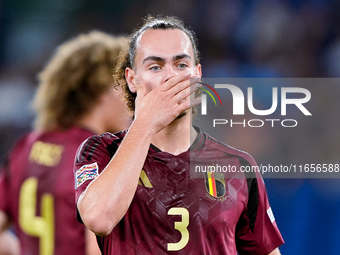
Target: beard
[(182, 114)]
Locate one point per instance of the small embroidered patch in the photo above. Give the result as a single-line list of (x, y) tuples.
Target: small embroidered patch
[(86, 172), (271, 215)]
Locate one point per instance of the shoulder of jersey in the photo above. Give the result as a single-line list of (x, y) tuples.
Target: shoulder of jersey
[(18, 147), (106, 138), (218, 145), (104, 141)]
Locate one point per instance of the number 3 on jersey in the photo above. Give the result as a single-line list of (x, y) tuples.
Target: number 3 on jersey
[(181, 226), (39, 226)]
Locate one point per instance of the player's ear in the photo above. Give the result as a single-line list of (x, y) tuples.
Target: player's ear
[(198, 70), (130, 79)]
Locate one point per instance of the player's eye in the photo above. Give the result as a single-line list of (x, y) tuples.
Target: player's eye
[(182, 66), (155, 68)]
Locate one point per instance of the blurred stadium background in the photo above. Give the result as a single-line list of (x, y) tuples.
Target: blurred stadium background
[(237, 38)]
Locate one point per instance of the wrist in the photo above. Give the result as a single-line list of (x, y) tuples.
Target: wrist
[(142, 128)]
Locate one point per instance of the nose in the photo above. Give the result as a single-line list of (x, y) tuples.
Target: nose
[(169, 72)]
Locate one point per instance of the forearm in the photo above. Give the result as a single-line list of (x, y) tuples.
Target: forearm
[(107, 198), (91, 243)]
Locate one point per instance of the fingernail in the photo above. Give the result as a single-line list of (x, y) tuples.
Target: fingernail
[(187, 74)]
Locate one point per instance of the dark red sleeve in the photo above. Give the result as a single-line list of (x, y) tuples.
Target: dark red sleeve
[(6, 171), (257, 232), (6, 189), (3, 200), (91, 158)]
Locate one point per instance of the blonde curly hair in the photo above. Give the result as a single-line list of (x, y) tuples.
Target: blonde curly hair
[(78, 73)]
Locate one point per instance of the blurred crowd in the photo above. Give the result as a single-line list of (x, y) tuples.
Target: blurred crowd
[(237, 38)]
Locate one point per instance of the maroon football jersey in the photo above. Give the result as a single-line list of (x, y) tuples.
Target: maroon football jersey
[(37, 192), (174, 213)]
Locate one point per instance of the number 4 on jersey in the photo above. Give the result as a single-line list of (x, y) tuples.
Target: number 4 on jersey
[(39, 226)]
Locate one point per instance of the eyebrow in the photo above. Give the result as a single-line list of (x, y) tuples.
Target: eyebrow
[(177, 57), (159, 59), (153, 58)]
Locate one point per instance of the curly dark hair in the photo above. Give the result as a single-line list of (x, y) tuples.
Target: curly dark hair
[(127, 56)]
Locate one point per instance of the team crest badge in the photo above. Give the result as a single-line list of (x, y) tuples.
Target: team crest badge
[(86, 172), (215, 184)]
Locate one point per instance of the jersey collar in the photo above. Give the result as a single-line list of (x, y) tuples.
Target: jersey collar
[(195, 146)]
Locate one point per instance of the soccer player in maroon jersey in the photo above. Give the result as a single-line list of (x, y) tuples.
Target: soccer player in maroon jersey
[(134, 189), (75, 99)]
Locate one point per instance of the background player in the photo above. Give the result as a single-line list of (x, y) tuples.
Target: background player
[(142, 199), (75, 99)]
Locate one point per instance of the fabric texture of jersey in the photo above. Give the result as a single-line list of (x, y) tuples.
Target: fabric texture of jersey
[(37, 184), (173, 213)]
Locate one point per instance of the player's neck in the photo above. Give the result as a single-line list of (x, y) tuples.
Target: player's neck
[(176, 137), (92, 122)]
